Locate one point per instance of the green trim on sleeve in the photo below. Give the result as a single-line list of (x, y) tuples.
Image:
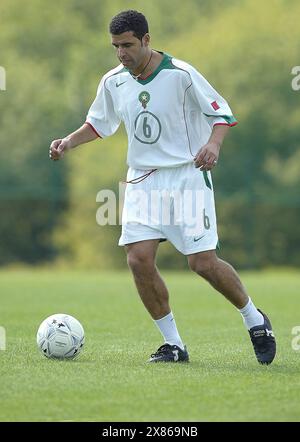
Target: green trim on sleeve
[(228, 118)]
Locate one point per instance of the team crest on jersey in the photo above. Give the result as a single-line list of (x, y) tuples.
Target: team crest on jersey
[(144, 98)]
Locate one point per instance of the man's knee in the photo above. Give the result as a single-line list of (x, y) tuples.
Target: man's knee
[(140, 262), (203, 265)]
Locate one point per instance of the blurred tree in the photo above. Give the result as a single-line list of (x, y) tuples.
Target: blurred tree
[(55, 55), (31, 192), (257, 179)]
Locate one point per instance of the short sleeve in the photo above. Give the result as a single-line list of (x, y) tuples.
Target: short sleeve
[(102, 116), (213, 105)]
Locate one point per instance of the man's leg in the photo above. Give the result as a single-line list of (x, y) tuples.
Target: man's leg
[(225, 279), (152, 290), (154, 293), (220, 275)]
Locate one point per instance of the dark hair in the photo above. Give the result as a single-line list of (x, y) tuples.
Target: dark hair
[(129, 21)]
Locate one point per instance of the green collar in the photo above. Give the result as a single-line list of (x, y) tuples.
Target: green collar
[(165, 63)]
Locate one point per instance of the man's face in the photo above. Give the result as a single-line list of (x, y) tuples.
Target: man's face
[(130, 50)]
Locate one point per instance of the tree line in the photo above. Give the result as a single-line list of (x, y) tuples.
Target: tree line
[(54, 55)]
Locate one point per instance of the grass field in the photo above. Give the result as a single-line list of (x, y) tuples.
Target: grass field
[(111, 380)]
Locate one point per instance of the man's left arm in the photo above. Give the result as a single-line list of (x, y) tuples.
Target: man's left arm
[(208, 155)]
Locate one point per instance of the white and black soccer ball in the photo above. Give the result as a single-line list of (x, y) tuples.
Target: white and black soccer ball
[(60, 336)]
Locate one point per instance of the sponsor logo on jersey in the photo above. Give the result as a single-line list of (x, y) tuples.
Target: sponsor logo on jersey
[(120, 84)]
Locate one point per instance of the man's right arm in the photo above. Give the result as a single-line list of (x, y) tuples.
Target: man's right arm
[(81, 136)]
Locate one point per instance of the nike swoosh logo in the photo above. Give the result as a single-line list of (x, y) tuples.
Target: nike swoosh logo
[(120, 84), (197, 238)]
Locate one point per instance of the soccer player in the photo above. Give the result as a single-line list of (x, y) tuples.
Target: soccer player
[(176, 123)]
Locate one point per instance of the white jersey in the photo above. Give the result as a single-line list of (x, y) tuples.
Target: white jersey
[(168, 116)]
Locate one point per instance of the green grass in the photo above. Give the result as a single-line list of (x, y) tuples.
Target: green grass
[(111, 381)]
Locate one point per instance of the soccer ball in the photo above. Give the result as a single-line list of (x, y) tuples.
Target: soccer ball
[(60, 336)]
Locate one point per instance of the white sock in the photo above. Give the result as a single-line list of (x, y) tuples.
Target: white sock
[(251, 315), (168, 329)]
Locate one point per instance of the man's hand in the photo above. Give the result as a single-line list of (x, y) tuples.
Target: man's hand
[(83, 135), (58, 148), (208, 155)]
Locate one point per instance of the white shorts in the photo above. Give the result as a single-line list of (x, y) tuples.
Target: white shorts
[(175, 204)]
